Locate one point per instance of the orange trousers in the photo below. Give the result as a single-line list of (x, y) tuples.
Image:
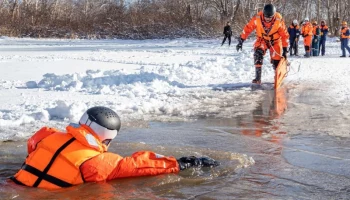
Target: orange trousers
[(307, 42), (260, 48)]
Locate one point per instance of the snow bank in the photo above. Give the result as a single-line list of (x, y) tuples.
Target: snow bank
[(174, 81)]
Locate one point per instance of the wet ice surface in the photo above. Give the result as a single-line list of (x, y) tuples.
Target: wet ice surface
[(265, 153)]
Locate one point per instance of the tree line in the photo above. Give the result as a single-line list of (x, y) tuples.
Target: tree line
[(146, 19)]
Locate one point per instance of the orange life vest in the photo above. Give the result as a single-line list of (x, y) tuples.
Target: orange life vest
[(315, 31), (56, 160), (294, 27), (343, 33), (324, 27), (271, 35)]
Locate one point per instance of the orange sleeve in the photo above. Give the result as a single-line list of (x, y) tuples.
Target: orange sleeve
[(38, 136), (283, 32), (248, 28), (109, 166)]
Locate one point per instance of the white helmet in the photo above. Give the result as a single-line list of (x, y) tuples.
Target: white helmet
[(306, 19), (104, 122), (295, 22)]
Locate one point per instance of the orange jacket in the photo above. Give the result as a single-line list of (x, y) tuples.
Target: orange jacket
[(278, 30), (84, 159), (307, 30)]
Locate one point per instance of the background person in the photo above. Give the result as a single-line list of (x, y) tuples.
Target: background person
[(316, 38), (344, 38), (227, 34), (294, 34), (324, 33), (306, 32)]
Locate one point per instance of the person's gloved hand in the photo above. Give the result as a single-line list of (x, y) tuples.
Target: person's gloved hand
[(285, 51), (193, 161), (315, 40), (240, 44)]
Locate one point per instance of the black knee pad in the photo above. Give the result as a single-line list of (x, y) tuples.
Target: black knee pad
[(259, 56), (307, 48), (275, 63)]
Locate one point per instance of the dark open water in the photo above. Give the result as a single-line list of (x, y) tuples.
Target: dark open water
[(263, 156)]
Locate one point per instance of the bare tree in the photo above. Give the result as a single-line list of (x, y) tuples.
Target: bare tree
[(224, 8), (152, 18)]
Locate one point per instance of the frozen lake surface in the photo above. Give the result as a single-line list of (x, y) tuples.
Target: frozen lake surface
[(183, 97)]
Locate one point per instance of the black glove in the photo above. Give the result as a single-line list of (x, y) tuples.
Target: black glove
[(193, 161), (240, 44), (285, 51)]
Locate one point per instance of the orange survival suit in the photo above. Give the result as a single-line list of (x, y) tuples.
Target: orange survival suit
[(307, 33), (271, 35), (57, 160)]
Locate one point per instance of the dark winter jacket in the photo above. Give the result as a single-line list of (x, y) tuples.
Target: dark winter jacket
[(227, 30), (316, 31), (294, 32), (324, 31), (345, 33)]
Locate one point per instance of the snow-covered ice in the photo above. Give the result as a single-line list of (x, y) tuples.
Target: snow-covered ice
[(53, 81)]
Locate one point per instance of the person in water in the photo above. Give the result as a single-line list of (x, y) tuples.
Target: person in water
[(57, 159)]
